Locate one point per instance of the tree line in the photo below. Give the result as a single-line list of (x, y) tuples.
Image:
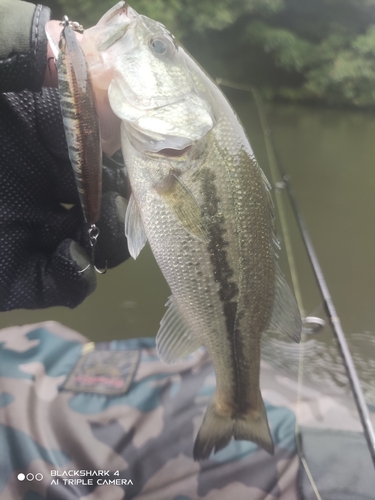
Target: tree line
[(301, 50)]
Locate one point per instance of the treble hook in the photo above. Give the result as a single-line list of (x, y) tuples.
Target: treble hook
[(93, 235), (73, 24), (65, 21)]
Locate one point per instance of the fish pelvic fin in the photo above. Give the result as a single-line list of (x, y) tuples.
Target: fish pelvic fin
[(218, 429), (174, 339)]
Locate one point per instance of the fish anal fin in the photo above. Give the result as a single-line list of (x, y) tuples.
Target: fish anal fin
[(285, 317), (183, 205), (174, 339), (134, 230)]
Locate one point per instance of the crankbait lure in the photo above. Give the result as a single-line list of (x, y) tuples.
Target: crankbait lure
[(81, 126)]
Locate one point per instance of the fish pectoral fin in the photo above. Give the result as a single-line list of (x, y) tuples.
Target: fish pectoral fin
[(286, 317), (174, 339), (183, 205), (134, 230)]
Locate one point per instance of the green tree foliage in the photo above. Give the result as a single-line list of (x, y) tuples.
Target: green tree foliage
[(338, 68), (183, 18), (317, 50)]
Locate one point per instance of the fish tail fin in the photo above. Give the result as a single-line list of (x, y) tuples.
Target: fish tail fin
[(254, 427), (218, 429)]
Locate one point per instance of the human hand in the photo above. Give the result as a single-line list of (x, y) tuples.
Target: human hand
[(43, 245)]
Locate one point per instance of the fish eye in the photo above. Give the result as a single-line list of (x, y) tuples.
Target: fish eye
[(161, 46), (158, 46)]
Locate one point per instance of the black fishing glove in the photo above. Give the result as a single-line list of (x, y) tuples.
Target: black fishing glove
[(44, 245)]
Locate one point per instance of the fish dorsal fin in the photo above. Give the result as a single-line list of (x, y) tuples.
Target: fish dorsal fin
[(134, 230), (183, 205), (174, 340), (285, 317)]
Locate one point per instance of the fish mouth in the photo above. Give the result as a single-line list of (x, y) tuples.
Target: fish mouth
[(173, 126), (121, 13), (152, 142), (173, 153)]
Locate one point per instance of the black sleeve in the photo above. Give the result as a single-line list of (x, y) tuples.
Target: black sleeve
[(23, 45), (44, 242)]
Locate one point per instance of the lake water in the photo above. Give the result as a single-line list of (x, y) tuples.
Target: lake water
[(330, 156)]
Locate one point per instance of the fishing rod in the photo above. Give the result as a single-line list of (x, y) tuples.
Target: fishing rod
[(329, 306), (334, 319)]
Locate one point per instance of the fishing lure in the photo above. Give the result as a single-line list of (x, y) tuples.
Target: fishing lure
[(81, 126)]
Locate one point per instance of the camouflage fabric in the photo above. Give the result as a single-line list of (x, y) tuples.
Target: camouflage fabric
[(112, 427)]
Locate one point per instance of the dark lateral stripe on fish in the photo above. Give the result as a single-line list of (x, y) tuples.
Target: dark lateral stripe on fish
[(223, 274)]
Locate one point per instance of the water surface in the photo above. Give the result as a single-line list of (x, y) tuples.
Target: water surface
[(329, 155)]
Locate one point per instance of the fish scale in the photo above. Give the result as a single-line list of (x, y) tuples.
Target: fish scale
[(202, 202)]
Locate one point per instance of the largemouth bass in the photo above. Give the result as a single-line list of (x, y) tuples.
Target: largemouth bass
[(203, 203)]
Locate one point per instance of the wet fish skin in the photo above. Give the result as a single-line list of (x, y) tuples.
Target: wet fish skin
[(81, 125), (207, 214)]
